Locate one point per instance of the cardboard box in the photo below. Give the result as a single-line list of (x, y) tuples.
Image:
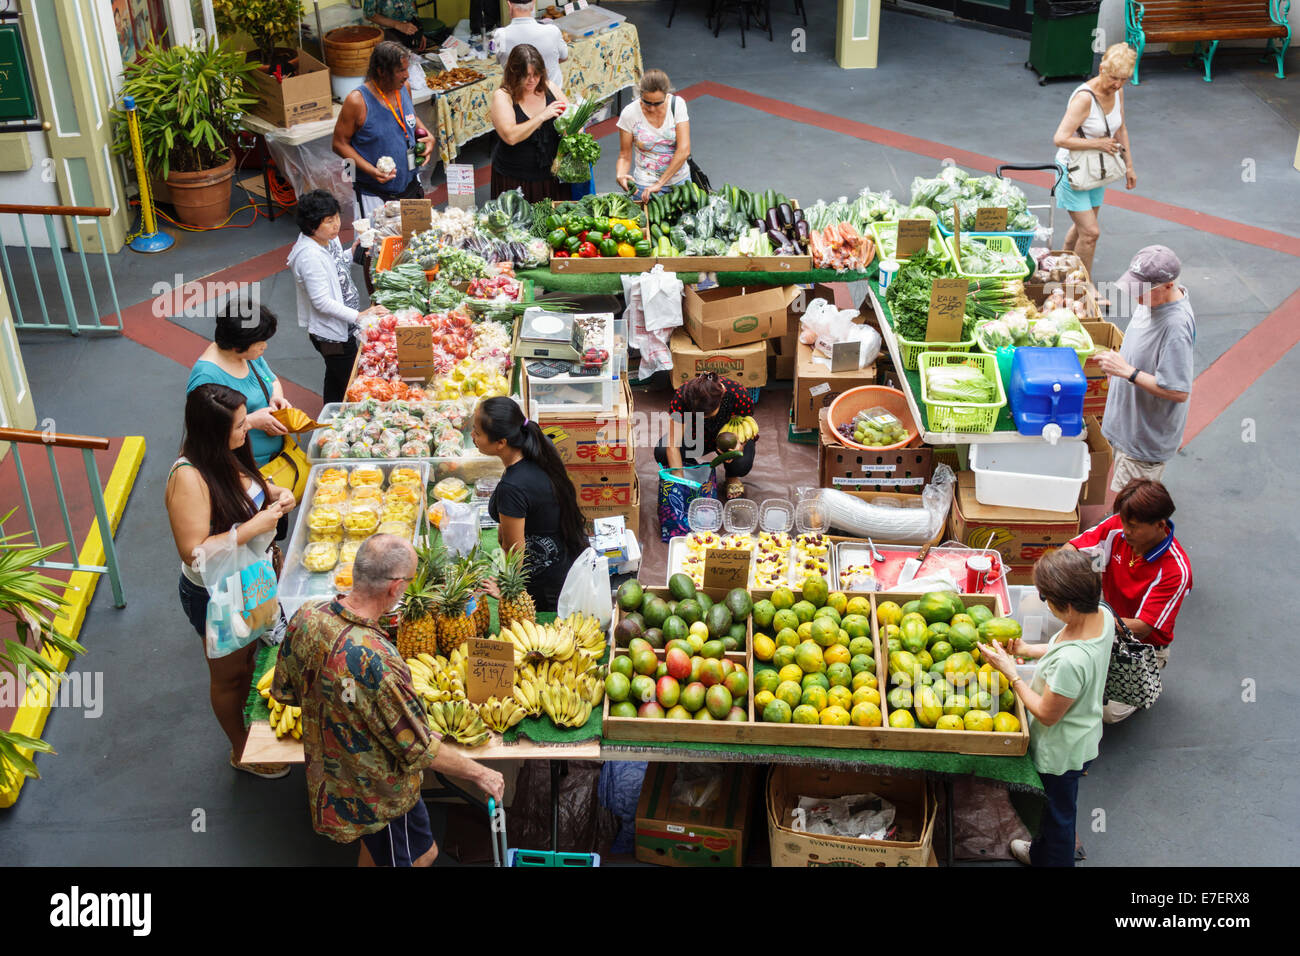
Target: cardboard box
[(746, 364), (915, 816), (1020, 535), (816, 386), (731, 315), (1099, 452), (620, 496), (676, 834), (594, 438), (305, 98), (780, 362), (1105, 335), (905, 470)]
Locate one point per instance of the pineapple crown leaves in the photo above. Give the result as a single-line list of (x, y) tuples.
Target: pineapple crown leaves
[(451, 596), (511, 573)]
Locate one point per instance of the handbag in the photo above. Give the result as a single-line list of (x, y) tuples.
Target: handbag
[(1090, 168), (676, 494), (697, 174), (1133, 676), (289, 468)]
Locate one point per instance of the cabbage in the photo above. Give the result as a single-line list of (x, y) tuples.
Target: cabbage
[(921, 212), (958, 383), (994, 334), (1077, 340), (1044, 335), (1017, 324), (1063, 319)]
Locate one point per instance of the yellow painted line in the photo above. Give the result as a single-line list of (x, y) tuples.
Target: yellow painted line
[(35, 708)]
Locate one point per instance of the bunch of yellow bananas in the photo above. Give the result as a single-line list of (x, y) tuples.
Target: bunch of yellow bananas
[(528, 693), (434, 680), (743, 427), (500, 715), (586, 631), (459, 721), (540, 642), (565, 707)]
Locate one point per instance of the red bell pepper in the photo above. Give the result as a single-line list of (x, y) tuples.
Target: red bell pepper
[(588, 250), (560, 254)]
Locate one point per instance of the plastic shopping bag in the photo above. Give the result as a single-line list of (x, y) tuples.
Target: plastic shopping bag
[(676, 492), (653, 345), (586, 589), (242, 593)]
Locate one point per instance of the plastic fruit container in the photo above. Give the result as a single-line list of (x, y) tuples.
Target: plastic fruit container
[(776, 514), (704, 514), (849, 403)]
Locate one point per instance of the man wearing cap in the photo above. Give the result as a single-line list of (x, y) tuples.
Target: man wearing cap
[(1151, 374)]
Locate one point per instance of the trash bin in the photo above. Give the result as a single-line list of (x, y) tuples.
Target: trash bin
[(1061, 41)]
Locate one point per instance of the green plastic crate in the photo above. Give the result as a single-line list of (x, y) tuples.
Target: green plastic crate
[(891, 225), (969, 417), (998, 244), (912, 351)]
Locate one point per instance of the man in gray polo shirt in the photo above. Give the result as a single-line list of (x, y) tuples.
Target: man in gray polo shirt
[(524, 28), (1151, 374)]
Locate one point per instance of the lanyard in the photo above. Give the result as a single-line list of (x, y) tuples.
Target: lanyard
[(396, 115)]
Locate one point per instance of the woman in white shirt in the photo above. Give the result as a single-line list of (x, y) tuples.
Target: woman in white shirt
[(328, 300), (654, 137)]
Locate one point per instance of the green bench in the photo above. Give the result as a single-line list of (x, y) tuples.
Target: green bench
[(1206, 23)]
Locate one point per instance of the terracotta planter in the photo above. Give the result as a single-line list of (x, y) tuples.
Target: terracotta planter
[(202, 198)]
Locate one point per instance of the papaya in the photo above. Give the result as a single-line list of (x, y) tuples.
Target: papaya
[(887, 612), (963, 637), (937, 606), (904, 665), (978, 614), (999, 629), (926, 706), (936, 632), (912, 634), (910, 608)]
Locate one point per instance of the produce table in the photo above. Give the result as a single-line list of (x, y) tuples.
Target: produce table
[(610, 283), (598, 66)]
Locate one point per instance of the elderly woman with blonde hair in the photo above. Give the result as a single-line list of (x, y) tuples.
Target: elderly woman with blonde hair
[(1094, 120)]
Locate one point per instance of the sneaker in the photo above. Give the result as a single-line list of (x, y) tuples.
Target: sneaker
[(1020, 850), (267, 771)]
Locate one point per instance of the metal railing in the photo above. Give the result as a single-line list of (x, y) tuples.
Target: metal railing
[(92, 321), (88, 445)]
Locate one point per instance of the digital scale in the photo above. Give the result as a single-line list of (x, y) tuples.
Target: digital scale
[(549, 335)]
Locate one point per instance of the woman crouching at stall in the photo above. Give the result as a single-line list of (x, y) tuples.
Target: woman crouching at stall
[(534, 503), (697, 414)]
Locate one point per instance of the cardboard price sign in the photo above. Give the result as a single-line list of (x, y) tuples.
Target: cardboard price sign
[(490, 671), (414, 350), (726, 569), (913, 236), (947, 310), (991, 219), (417, 216), (460, 185)]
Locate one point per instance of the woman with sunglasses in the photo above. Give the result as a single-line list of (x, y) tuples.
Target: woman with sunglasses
[(654, 137)]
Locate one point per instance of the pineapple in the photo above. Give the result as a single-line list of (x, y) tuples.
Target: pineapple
[(479, 566), (449, 599), (416, 628), (516, 604)]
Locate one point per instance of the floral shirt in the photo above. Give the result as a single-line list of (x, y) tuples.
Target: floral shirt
[(654, 146), (401, 10), (364, 731)]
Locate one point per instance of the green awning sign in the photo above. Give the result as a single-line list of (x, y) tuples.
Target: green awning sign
[(17, 102)]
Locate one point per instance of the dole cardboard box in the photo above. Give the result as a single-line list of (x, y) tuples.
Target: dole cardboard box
[(746, 364), (909, 843), (305, 98), (676, 833), (731, 315), (1105, 335), (1020, 535), (608, 490), (594, 438), (816, 386), (1094, 489)]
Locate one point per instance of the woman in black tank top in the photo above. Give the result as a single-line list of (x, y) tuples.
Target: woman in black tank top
[(526, 144)]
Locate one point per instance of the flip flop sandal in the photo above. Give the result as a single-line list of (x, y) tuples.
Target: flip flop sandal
[(735, 489)]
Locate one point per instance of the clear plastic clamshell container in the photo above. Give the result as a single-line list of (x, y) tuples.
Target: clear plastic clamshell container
[(705, 514), (740, 516), (810, 516), (776, 514)]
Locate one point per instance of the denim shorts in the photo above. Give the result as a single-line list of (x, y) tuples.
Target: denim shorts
[(1075, 200), (194, 602)]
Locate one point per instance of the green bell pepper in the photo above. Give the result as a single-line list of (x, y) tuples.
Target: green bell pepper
[(600, 224), (618, 231), (633, 236), (572, 243), (608, 248), (552, 222), (556, 239), (643, 249), (573, 225)]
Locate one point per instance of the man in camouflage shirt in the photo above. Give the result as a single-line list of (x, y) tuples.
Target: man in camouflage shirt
[(365, 735)]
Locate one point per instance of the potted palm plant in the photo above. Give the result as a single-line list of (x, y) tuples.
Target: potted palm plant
[(188, 101), (28, 597), (273, 25)]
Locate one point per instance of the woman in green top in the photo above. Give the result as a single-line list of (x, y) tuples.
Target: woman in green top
[(1065, 699)]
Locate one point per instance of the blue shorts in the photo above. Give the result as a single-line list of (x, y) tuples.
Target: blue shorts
[(404, 840), (1074, 200)]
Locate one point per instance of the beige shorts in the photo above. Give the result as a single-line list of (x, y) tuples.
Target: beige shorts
[(1126, 469), (1113, 712)]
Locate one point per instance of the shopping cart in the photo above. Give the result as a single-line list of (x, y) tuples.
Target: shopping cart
[(503, 856)]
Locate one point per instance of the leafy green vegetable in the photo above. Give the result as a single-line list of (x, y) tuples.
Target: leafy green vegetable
[(959, 383), (908, 295)]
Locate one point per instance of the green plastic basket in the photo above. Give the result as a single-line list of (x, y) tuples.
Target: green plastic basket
[(1084, 354), (998, 244), (912, 351), (891, 225), (969, 417)]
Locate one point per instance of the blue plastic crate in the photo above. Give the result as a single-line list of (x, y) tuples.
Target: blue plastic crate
[(546, 858), (1023, 240)]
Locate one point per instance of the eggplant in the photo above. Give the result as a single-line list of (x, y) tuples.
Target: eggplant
[(760, 225), (801, 231), (780, 244), (786, 214), (798, 215), (773, 222)]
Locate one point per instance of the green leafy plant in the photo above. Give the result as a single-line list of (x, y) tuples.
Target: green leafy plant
[(268, 23), (28, 596), (188, 100), (577, 150)]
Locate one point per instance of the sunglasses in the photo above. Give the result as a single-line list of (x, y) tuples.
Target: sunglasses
[(646, 102)]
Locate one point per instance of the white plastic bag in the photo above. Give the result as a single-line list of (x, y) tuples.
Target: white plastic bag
[(242, 593), (653, 345), (661, 299), (823, 326), (459, 527), (586, 589)]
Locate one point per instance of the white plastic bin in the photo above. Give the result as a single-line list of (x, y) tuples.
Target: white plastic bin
[(1036, 621), (1038, 475)]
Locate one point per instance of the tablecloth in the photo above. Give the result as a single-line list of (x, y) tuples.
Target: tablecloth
[(598, 66)]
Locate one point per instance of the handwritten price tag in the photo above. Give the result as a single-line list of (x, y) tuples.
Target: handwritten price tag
[(491, 669), (947, 309), (417, 216), (991, 219), (913, 236), (726, 569), (448, 58)]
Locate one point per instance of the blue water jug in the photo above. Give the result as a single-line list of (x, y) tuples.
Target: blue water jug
[(1047, 385)]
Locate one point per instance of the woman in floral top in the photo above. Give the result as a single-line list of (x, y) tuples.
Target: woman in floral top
[(696, 414), (654, 137)]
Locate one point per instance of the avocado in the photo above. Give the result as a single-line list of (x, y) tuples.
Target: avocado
[(680, 586), (626, 631), (689, 611), (718, 621), (630, 594), (738, 602), (705, 602), (654, 637), (655, 611)]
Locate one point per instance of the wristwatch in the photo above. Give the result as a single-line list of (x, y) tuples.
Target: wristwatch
[(1134, 377)]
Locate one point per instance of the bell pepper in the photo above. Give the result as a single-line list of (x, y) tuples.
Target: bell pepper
[(560, 254), (588, 250), (618, 231), (556, 239), (583, 235), (600, 224), (552, 222), (572, 244), (626, 250), (643, 249), (573, 225), (608, 248), (634, 235)]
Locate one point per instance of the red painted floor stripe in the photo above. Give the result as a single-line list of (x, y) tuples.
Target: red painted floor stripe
[(1241, 366)]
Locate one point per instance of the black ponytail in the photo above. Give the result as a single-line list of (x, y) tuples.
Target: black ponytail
[(502, 420)]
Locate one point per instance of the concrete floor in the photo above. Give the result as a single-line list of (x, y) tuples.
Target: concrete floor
[(1185, 784)]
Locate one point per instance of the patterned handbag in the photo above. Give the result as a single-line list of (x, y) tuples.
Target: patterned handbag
[(676, 494), (1133, 677)]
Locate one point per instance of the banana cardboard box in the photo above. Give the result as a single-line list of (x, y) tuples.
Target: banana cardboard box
[(1020, 535)]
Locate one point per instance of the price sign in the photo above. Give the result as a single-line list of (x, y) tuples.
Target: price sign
[(726, 569), (490, 671), (417, 216), (947, 310), (414, 351), (460, 185), (913, 236), (448, 58), (991, 219), (846, 357)]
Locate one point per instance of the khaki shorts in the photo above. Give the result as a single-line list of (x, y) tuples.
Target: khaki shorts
[(1113, 712), (1126, 469)]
